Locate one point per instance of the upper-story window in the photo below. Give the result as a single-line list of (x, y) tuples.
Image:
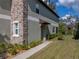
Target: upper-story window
[(37, 8), (16, 28)]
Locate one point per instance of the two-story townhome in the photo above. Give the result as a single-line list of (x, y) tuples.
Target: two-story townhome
[(23, 21)]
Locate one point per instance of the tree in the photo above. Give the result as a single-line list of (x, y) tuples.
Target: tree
[(62, 28), (76, 35), (62, 31)]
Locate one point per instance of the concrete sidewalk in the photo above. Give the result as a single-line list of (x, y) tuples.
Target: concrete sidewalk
[(32, 51)]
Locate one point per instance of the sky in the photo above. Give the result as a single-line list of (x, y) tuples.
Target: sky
[(64, 7)]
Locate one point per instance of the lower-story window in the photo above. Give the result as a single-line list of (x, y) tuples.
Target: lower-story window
[(56, 29), (53, 30), (16, 28)]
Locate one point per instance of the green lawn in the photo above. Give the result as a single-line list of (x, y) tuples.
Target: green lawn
[(65, 49)]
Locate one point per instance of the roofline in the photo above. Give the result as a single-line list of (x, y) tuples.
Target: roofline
[(48, 8)]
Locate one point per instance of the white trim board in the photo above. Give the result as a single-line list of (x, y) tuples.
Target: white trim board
[(33, 18), (53, 24), (5, 17), (37, 20)]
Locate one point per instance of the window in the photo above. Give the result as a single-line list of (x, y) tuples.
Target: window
[(37, 8), (16, 28), (53, 29), (56, 29)]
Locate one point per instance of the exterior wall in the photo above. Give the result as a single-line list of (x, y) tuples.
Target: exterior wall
[(5, 19), (53, 29), (4, 30), (5, 7), (34, 30), (50, 29), (43, 11), (46, 16), (34, 26), (30, 27)]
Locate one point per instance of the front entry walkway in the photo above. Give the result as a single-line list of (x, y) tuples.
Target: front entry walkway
[(32, 51)]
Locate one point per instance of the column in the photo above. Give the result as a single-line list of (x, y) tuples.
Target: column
[(19, 22)]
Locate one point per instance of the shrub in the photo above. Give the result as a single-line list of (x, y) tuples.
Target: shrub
[(16, 48), (35, 43), (76, 35), (10, 45), (24, 47), (12, 51), (60, 36), (2, 48), (29, 46), (52, 36)]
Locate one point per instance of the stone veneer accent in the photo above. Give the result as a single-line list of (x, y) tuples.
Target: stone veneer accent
[(19, 12)]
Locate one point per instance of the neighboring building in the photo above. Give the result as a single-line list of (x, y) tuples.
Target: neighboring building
[(23, 21)]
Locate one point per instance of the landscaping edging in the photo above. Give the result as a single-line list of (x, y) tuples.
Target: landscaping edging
[(31, 51)]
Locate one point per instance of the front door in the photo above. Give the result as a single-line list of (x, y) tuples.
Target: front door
[(44, 32)]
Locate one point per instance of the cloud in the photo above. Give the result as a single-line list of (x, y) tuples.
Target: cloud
[(57, 4), (67, 2), (74, 4)]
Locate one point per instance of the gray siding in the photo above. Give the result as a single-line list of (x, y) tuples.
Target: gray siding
[(5, 7), (34, 31), (43, 11), (4, 30)]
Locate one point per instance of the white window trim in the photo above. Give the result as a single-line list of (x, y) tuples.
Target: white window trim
[(15, 35)]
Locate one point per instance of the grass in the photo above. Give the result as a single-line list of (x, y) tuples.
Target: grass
[(59, 49)]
